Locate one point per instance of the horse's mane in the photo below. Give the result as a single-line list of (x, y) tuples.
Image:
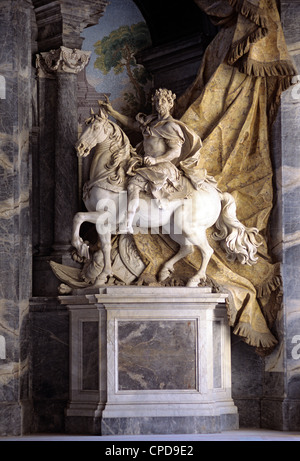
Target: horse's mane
[(119, 146), (123, 157), (121, 151)]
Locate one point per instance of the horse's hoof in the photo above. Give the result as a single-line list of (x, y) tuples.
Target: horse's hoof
[(84, 251), (82, 248), (76, 257), (101, 280), (192, 284), (164, 274), (64, 289), (100, 283)]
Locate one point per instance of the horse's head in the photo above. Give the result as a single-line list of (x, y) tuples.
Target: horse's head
[(95, 133)]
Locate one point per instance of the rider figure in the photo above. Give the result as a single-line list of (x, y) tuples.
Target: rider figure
[(162, 144)]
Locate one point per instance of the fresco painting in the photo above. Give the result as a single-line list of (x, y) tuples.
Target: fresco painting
[(113, 69)]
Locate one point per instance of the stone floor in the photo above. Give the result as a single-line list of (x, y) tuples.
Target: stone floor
[(241, 435)]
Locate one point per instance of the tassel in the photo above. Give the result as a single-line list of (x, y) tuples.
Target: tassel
[(254, 338), (268, 287), (251, 12), (239, 49)]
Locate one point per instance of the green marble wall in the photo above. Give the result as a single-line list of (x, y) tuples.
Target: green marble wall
[(15, 219)]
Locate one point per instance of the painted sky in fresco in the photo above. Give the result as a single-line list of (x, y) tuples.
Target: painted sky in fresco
[(118, 13)]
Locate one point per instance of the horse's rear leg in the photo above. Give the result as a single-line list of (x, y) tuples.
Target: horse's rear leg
[(200, 240), (168, 267), (105, 241)]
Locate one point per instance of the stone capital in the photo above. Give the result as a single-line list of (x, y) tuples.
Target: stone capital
[(62, 60)]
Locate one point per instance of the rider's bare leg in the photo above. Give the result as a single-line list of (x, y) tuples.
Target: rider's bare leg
[(133, 203), (133, 190)]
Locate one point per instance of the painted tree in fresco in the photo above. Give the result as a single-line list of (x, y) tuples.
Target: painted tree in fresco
[(117, 51)]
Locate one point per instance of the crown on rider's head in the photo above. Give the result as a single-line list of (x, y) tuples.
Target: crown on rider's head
[(164, 92)]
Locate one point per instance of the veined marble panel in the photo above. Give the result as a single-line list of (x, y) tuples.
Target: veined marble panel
[(90, 356), (157, 355), (217, 354)]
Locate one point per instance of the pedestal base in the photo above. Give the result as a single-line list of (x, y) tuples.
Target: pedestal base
[(169, 425), (165, 361)]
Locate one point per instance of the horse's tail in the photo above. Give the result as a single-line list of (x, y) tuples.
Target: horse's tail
[(238, 241)]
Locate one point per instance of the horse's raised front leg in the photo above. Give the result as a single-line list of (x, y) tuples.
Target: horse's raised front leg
[(77, 242), (94, 217), (200, 240), (168, 267)]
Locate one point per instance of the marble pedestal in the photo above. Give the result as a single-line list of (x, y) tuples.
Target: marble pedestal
[(164, 361)]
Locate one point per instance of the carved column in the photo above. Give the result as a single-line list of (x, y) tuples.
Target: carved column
[(63, 65)]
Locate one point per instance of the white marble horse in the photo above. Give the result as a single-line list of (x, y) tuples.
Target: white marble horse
[(185, 220)]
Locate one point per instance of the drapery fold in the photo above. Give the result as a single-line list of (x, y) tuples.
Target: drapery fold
[(231, 106)]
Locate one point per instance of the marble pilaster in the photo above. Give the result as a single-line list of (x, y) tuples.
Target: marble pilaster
[(66, 164), (280, 406), (44, 166), (15, 222)]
